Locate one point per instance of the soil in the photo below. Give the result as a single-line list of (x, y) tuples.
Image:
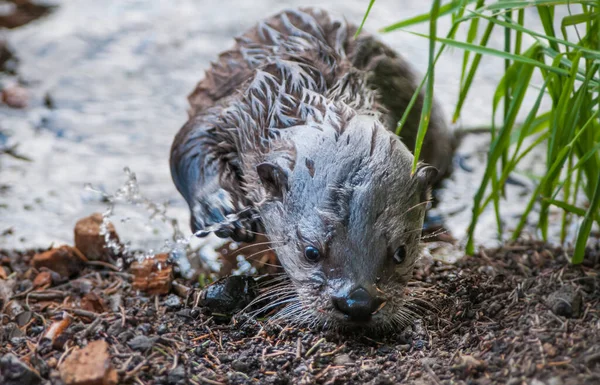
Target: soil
[(515, 315)]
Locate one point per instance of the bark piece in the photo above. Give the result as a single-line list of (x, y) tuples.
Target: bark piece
[(153, 275), (63, 260), (89, 366), (54, 332), (89, 238)]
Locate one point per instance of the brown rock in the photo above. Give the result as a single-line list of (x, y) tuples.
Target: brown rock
[(15, 96), (43, 279), (63, 260), (88, 237), (152, 275), (89, 366), (3, 274)]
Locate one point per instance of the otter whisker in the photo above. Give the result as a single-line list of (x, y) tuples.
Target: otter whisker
[(279, 292), (254, 245), (435, 233), (271, 305)]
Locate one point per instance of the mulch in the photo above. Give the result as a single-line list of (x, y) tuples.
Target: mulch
[(519, 314)]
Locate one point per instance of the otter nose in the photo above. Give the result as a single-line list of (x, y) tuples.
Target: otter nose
[(359, 304)]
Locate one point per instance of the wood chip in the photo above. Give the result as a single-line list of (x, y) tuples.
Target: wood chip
[(153, 275)]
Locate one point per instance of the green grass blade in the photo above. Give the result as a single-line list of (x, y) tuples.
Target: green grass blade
[(444, 10), (566, 206), (586, 226), (494, 52), (364, 19), (428, 99)]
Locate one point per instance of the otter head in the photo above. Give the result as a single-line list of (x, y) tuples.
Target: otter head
[(345, 217)]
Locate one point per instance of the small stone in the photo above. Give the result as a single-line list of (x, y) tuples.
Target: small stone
[(15, 372), (125, 336), (229, 294), (89, 238), (342, 360), (177, 376), (89, 366), (566, 302), (240, 366), (62, 260), (23, 318), (145, 328), (153, 275), (300, 369), (162, 329), (141, 343), (173, 302), (15, 96)]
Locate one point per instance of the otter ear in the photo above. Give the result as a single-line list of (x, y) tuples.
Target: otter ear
[(425, 177), (273, 178)]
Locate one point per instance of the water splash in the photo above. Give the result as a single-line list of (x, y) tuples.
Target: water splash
[(178, 246), (129, 193)]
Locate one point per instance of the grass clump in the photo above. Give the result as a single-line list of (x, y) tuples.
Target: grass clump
[(567, 56)]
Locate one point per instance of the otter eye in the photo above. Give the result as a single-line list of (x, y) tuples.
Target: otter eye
[(400, 254), (312, 253)]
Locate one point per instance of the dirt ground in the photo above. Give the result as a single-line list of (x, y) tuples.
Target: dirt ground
[(515, 315)]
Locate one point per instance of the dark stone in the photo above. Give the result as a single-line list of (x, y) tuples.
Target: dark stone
[(14, 372), (173, 302), (162, 329), (566, 302), (230, 294), (177, 376), (145, 328), (141, 343), (240, 366)]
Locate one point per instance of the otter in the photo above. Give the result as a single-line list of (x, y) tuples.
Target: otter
[(296, 123)]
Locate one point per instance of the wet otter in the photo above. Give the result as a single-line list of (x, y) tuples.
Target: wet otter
[(295, 122)]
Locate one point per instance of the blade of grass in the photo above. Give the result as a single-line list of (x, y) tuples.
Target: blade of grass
[(428, 99), (586, 226), (424, 17), (364, 19), (566, 206)]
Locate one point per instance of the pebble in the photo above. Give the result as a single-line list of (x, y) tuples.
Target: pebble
[(240, 366), (173, 302), (15, 372), (141, 343), (15, 96), (343, 359), (177, 376), (566, 302), (162, 329)]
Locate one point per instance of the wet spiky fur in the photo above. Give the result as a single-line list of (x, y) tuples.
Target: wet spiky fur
[(299, 92)]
